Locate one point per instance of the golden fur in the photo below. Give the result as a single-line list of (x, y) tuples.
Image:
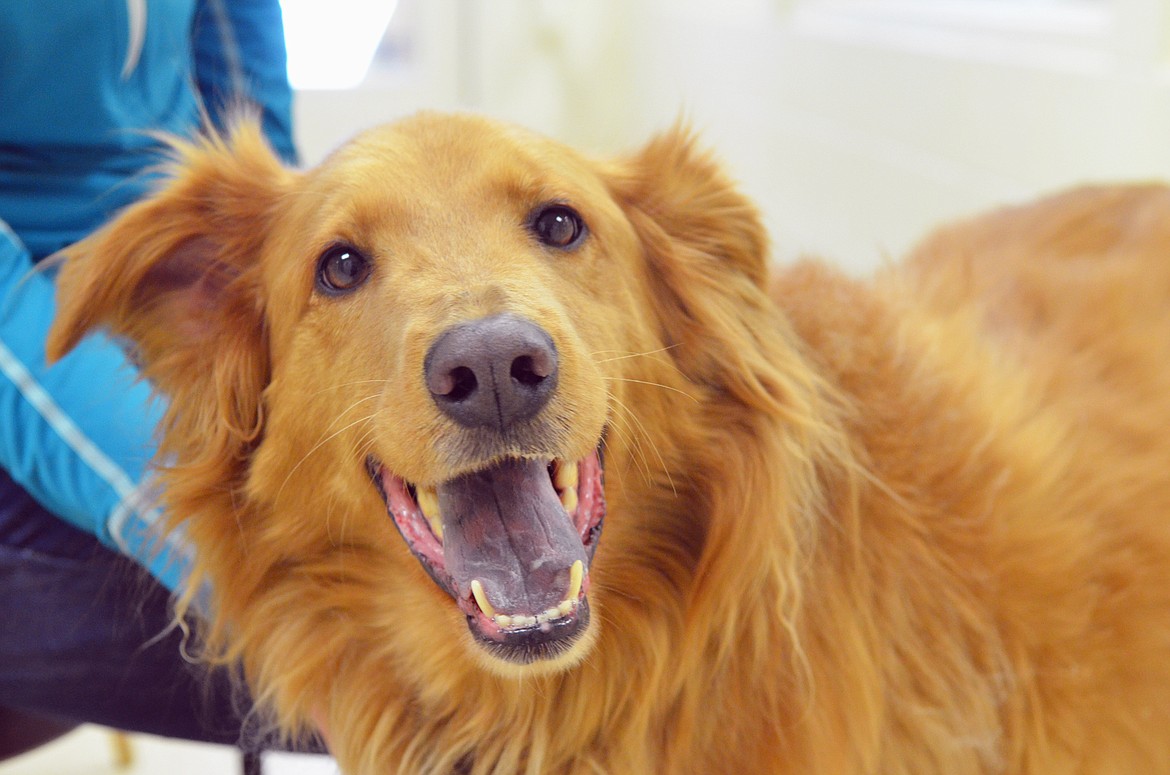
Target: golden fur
[(909, 525)]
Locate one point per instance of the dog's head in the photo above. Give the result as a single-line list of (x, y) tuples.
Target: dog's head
[(434, 344)]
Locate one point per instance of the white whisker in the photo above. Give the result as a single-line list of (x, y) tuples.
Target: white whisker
[(626, 354), (653, 446), (355, 383), (317, 446), (626, 434), (653, 384)]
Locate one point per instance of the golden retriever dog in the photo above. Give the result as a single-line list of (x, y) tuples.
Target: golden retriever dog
[(502, 459)]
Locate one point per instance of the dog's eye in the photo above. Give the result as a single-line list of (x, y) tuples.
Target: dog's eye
[(341, 269), (558, 226)]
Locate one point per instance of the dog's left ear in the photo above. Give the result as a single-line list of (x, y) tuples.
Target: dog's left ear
[(178, 276), (707, 258), (688, 195)]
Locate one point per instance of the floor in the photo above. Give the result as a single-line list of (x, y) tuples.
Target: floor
[(91, 751)]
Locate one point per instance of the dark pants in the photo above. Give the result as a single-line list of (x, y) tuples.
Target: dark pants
[(86, 635)]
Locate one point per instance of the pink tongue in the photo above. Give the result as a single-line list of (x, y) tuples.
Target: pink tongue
[(506, 527)]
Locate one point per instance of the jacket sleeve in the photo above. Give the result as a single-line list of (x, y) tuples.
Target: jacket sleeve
[(79, 436), (240, 55)]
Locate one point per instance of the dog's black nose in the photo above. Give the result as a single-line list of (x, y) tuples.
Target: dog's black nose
[(492, 372)]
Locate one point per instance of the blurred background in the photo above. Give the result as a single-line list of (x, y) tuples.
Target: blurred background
[(857, 125)]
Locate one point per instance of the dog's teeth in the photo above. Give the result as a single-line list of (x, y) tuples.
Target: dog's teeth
[(565, 476), (519, 621), (505, 622), (428, 502), (576, 575), (481, 598), (569, 500)]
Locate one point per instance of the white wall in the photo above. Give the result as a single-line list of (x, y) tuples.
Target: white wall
[(857, 124)]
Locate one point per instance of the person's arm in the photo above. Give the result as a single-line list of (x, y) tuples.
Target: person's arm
[(78, 436), (240, 55)]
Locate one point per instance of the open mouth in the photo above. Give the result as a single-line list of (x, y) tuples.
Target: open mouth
[(511, 544)]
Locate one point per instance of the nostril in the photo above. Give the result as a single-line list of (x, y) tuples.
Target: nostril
[(463, 384), (524, 370)]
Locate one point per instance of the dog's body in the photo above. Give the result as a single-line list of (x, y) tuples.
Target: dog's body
[(1008, 390), (914, 525)]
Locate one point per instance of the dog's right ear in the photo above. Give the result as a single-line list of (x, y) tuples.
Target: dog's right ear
[(177, 275)]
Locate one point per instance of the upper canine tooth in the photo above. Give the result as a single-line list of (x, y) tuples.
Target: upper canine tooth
[(481, 598), (569, 501), (565, 475), (428, 501)]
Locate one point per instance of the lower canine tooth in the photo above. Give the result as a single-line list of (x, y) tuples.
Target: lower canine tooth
[(504, 621), (576, 575), (566, 608), (481, 598)]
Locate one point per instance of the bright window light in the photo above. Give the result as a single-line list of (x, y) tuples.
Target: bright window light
[(331, 44)]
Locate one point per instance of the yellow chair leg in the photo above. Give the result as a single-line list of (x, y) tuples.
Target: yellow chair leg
[(123, 750)]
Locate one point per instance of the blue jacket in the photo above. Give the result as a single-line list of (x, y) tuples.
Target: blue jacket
[(82, 83)]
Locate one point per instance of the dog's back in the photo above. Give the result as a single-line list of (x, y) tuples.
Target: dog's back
[(1010, 386)]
